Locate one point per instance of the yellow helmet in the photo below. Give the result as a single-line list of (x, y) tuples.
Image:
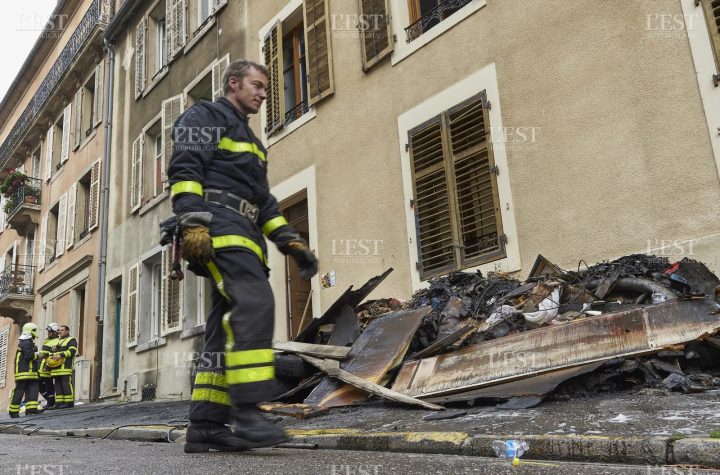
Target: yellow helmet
[(30, 329), (54, 362)]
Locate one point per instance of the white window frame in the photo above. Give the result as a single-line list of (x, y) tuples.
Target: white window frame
[(156, 301), (283, 15), (400, 19), (4, 354), (211, 10), (161, 46), (702, 55), (483, 80)]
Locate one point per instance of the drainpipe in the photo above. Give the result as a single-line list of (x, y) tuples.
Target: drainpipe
[(100, 316)]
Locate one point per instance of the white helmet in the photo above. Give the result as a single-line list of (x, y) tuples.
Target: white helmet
[(30, 329), (53, 327)]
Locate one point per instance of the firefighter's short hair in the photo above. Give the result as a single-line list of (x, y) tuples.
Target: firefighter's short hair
[(240, 69)]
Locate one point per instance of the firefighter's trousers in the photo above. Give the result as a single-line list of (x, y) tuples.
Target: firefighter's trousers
[(27, 388), (64, 391), (47, 390), (237, 363)]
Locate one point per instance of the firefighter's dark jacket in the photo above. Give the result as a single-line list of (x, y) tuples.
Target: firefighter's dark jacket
[(26, 360), (214, 149)]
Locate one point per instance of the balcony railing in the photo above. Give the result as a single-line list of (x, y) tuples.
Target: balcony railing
[(433, 17), (17, 280), (296, 112), (99, 13), (29, 192)]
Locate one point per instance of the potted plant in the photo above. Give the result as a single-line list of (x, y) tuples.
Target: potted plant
[(13, 181)]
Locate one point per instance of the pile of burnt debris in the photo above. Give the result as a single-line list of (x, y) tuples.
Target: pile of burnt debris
[(638, 321)]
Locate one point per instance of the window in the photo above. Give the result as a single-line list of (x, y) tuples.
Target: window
[(88, 105), (156, 48), (36, 163), (82, 206), (712, 15), (425, 14), (201, 91), (376, 38), (29, 248), (4, 344), (50, 244), (205, 8), (156, 278), (298, 55), (455, 190), (57, 143), (196, 295), (152, 162), (157, 298), (133, 280)]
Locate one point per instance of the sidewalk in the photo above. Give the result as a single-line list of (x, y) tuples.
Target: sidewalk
[(647, 428)]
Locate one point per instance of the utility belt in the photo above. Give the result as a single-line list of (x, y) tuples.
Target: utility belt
[(240, 205)]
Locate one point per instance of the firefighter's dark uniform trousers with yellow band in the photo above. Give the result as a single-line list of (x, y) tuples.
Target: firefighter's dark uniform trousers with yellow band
[(47, 385), (219, 166), (26, 378)]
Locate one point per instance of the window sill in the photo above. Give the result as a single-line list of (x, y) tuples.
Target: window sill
[(82, 241), (153, 203), (87, 139), (51, 265), (296, 124), (404, 49), (194, 331), (155, 81), (56, 174), (199, 33), (150, 345)]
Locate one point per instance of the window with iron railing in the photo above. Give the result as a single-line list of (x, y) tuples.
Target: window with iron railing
[(425, 14), (457, 212)]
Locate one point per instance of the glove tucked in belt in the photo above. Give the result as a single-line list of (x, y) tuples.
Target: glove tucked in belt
[(197, 243)]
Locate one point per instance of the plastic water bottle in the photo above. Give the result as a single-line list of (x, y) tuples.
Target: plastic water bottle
[(510, 449)]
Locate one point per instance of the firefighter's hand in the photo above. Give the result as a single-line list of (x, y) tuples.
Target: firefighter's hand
[(197, 246), (305, 259)]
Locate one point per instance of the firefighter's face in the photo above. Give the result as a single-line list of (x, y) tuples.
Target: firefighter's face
[(249, 93), (64, 332)]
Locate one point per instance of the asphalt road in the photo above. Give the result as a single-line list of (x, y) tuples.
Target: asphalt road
[(37, 455)]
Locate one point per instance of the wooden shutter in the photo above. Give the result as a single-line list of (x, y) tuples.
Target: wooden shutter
[(171, 110), (3, 200), (99, 84), (94, 202), (43, 240), (475, 183), (376, 37), (49, 139), (414, 10), (140, 58), (318, 51), (175, 19), (435, 228), (65, 151), (132, 305), (71, 214), (136, 174), (217, 76), (78, 132), (4, 347), (62, 216), (712, 16), (169, 31), (275, 102), (170, 313)]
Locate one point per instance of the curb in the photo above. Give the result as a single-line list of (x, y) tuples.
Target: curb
[(631, 450)]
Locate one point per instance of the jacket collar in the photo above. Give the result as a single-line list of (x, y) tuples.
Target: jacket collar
[(237, 112)]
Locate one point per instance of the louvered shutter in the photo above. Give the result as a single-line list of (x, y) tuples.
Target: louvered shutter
[(3, 200), (43, 240), (712, 16), (275, 102), (169, 31), (170, 313), (65, 151), (190, 293), (78, 132), (171, 110), (49, 139), (217, 76), (132, 306), (60, 236), (71, 216), (140, 58), (4, 348), (176, 13), (99, 84), (136, 174), (376, 38), (94, 211), (475, 183), (432, 202), (318, 51)]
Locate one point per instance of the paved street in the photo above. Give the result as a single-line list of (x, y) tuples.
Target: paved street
[(38, 455)]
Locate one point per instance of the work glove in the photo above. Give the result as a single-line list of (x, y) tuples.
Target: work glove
[(291, 244), (197, 246)]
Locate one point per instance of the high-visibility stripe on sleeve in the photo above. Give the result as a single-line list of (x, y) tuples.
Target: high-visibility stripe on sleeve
[(272, 224), (186, 187), (234, 240), (248, 357), (230, 145), (249, 375), (211, 395), (210, 378)]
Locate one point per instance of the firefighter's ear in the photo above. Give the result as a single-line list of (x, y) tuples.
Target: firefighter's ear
[(234, 83)]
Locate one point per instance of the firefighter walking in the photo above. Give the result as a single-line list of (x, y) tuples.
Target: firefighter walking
[(47, 385), (26, 377), (218, 177)]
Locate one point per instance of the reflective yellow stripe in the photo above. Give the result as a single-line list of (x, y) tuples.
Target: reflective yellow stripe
[(217, 277), (234, 240), (229, 336), (211, 395), (239, 147), (249, 375), (213, 379), (273, 224), (186, 187), (240, 358)]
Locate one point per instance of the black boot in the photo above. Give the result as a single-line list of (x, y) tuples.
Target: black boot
[(203, 436), (250, 425), (14, 415)]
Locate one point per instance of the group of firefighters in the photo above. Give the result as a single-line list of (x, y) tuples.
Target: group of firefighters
[(47, 372)]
